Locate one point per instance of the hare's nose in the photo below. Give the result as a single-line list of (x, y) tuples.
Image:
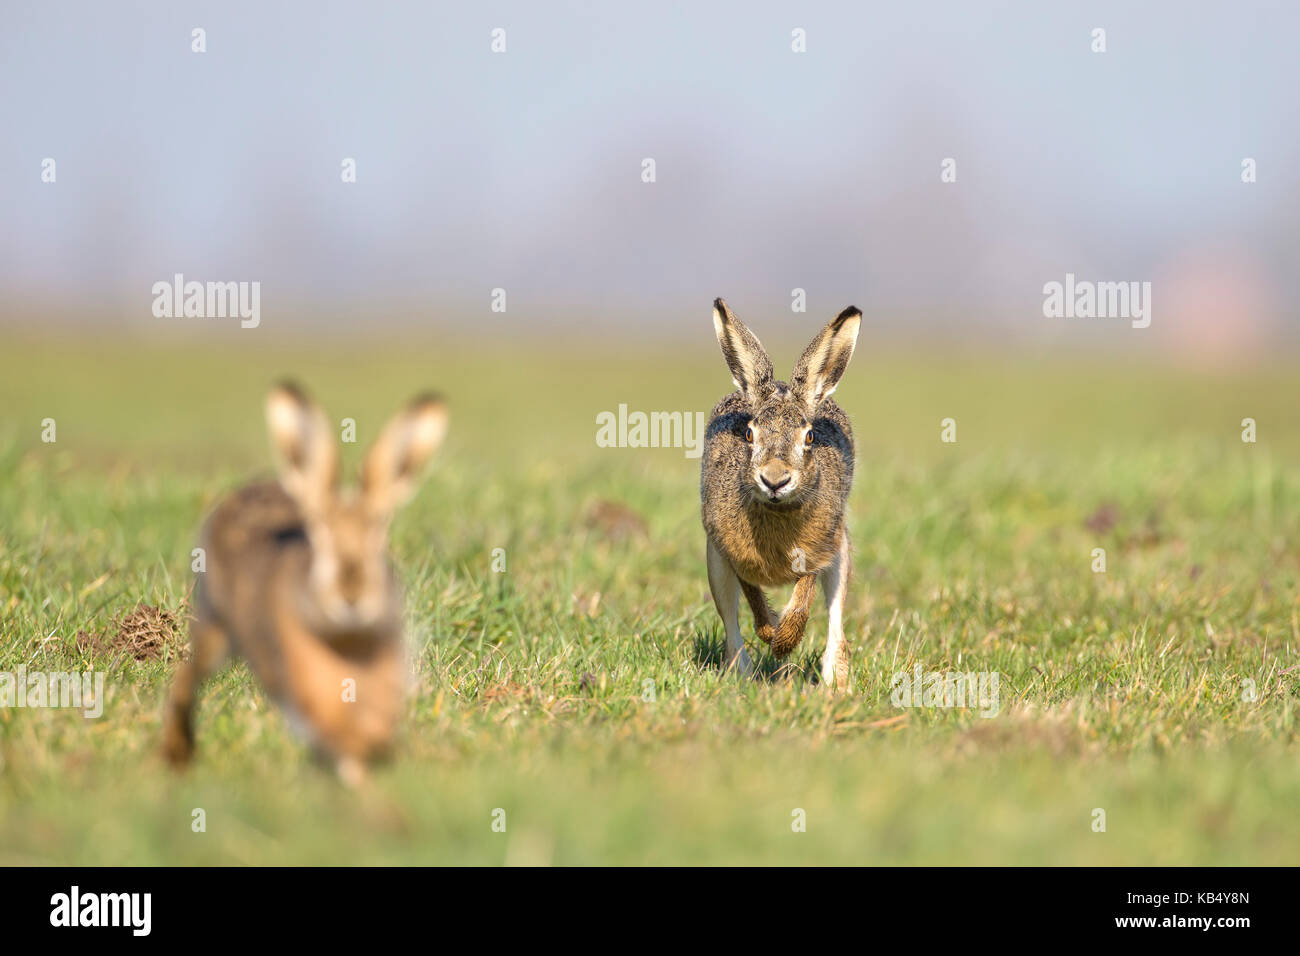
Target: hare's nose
[(350, 580), (773, 481)]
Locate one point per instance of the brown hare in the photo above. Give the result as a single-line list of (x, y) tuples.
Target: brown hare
[(774, 481), (298, 584)]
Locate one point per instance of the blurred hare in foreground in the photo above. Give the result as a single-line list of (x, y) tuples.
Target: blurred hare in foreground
[(299, 585)]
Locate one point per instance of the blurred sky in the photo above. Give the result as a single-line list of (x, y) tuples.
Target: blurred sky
[(775, 170)]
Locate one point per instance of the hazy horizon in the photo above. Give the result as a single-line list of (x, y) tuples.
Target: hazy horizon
[(775, 170)]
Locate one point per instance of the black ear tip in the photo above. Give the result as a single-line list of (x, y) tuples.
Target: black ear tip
[(851, 312), (428, 400), (292, 389), (720, 304)]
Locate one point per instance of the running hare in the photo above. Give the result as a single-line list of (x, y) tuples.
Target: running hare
[(298, 583), (775, 477)]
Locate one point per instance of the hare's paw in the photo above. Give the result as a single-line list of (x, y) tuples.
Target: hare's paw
[(351, 771), (741, 664), (835, 673), (177, 739), (789, 632), (177, 749)]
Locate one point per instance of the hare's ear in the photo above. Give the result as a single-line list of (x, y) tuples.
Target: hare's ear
[(395, 463), (305, 451), (819, 369), (751, 369)]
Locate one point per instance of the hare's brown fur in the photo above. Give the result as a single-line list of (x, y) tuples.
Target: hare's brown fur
[(247, 605), (761, 540), (774, 484), (298, 584)]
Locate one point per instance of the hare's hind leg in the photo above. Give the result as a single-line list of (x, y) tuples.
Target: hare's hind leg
[(725, 587), (209, 647), (835, 583)]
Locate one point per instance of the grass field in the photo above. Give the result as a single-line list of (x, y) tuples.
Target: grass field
[(1125, 690)]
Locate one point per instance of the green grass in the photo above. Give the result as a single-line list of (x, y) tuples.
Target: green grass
[(1121, 691)]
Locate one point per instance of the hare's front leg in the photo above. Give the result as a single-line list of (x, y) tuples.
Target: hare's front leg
[(765, 619), (794, 618), (835, 583), (209, 647), (725, 587)]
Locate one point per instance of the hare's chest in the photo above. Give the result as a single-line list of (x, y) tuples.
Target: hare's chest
[(350, 703), (780, 549)]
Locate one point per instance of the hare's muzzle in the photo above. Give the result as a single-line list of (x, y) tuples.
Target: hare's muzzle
[(776, 480)]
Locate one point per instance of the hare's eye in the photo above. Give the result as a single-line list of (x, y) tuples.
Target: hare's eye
[(749, 435), (807, 438)]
